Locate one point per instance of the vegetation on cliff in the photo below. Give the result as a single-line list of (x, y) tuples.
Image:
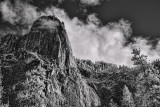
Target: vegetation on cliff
[(39, 70)]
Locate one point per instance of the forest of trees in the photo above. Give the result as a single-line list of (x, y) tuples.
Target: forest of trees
[(30, 80), (24, 83), (122, 86)]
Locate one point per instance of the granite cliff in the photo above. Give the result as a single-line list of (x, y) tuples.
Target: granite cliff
[(39, 70)]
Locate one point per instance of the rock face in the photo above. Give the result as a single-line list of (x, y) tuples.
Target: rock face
[(39, 70)]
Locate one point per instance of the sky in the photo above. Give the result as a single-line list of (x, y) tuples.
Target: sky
[(99, 30)]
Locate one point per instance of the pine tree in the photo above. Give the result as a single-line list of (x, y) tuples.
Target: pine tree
[(112, 103), (147, 82), (140, 60), (127, 100)]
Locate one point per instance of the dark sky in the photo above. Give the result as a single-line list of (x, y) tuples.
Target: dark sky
[(144, 14)]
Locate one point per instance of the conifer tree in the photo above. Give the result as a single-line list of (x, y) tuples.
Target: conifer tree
[(127, 99), (147, 88)]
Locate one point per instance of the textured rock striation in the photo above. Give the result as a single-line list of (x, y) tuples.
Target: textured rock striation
[(39, 70)]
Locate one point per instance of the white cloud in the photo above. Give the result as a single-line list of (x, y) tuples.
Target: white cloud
[(146, 49), (90, 2), (7, 11), (88, 41), (20, 13)]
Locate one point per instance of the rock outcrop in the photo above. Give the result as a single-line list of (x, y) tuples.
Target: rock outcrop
[(39, 70)]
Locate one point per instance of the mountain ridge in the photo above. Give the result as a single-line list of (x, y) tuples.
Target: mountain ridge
[(39, 70), (43, 60)]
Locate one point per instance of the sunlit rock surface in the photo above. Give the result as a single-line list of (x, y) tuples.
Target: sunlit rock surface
[(39, 70)]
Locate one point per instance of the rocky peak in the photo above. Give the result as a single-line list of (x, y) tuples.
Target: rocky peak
[(49, 23), (48, 38), (39, 70)]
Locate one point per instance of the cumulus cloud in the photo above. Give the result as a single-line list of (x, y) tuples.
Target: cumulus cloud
[(90, 2), (19, 13), (89, 40), (95, 42)]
